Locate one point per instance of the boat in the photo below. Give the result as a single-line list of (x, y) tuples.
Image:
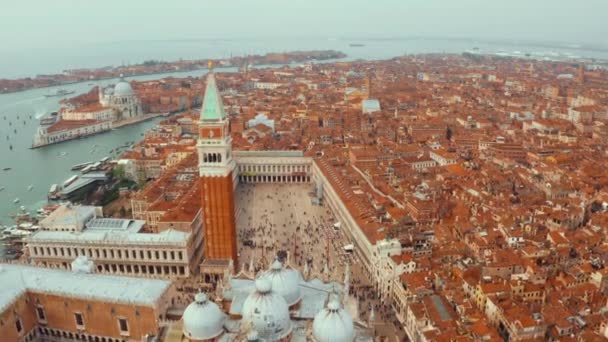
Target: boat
[(70, 181), (60, 92), (30, 188), (7, 169), (19, 232), (88, 169), (54, 188), (1, 188), (27, 226), (356, 45), (16, 200), (49, 119), (81, 166), (63, 154)]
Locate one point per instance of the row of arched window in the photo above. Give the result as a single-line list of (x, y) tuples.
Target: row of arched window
[(212, 157)]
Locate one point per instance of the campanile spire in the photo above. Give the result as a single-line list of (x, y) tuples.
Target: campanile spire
[(216, 171)]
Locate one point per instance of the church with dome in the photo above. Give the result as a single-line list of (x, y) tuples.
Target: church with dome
[(278, 304), (122, 99)]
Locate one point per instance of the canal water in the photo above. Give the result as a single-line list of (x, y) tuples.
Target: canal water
[(42, 167)]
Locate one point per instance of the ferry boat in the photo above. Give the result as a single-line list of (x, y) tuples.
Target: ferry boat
[(81, 166), (60, 92), (70, 180), (53, 192), (88, 169), (49, 119)]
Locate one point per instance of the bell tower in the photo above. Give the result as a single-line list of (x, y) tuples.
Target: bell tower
[(217, 172)]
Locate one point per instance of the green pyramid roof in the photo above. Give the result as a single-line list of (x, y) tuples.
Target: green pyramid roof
[(213, 109)]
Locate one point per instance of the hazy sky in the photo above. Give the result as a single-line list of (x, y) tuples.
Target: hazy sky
[(61, 23)]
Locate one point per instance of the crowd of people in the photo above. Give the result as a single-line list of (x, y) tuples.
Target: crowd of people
[(275, 219)]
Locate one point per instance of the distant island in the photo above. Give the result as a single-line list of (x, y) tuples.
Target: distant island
[(156, 67)]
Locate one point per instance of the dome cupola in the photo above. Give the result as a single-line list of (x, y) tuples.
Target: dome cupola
[(267, 311), (333, 324), (203, 319), (285, 282), (123, 88)]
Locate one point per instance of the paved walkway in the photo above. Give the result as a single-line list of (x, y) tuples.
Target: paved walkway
[(275, 217)]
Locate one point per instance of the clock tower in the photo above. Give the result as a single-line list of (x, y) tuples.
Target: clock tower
[(217, 176)]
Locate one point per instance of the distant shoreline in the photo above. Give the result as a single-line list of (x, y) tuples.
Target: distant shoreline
[(153, 67)]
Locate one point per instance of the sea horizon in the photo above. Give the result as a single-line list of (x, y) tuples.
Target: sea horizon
[(53, 60)]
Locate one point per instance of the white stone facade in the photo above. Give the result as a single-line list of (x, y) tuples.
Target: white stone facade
[(161, 260), (121, 98)]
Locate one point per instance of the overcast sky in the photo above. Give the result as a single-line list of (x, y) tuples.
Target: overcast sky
[(60, 23)]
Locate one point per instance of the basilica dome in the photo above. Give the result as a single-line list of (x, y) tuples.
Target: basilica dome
[(284, 282), (203, 319), (123, 88), (267, 311), (333, 324)]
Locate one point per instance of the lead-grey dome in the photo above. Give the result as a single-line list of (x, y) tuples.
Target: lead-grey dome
[(203, 319), (267, 311), (285, 282), (123, 88), (333, 324)]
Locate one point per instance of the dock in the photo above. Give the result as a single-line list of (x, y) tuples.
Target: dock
[(83, 182)]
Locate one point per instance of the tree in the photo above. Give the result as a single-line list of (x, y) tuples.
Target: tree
[(141, 179), (119, 172)]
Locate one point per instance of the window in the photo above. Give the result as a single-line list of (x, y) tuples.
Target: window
[(79, 320), (41, 314), (123, 326), (18, 325)]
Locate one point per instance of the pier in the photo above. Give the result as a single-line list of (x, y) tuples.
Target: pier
[(82, 183)]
